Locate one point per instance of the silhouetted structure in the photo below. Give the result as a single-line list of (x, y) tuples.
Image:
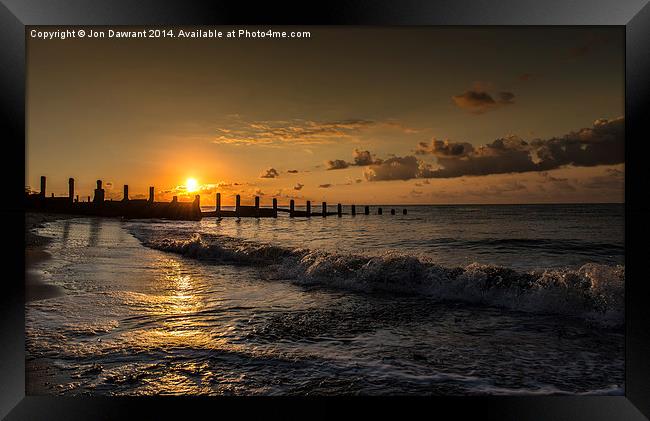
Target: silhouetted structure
[(99, 193), (149, 208), (125, 208), (71, 189)]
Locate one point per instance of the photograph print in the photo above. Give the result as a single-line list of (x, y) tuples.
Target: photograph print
[(306, 211)]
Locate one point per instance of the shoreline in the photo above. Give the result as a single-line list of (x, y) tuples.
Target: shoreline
[(36, 288), (40, 376)]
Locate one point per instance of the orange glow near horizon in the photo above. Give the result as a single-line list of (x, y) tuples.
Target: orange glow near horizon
[(379, 128)]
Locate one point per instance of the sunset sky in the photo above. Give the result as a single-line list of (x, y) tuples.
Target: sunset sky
[(353, 115)]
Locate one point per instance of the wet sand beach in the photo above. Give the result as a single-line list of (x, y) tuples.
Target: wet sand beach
[(35, 287), (40, 376)]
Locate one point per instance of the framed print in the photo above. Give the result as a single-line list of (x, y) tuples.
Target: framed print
[(269, 209)]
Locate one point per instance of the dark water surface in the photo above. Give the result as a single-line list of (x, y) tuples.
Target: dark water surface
[(445, 300)]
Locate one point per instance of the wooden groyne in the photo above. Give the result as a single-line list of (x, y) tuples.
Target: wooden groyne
[(256, 211), (99, 206), (241, 211), (148, 208)]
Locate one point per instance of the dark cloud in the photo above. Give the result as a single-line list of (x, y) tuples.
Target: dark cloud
[(598, 145), (525, 77), (601, 144), (359, 158), (444, 148), (325, 186), (478, 101), (292, 171), (298, 186), (397, 168), (475, 101), (337, 164), (270, 173), (363, 158), (501, 156)]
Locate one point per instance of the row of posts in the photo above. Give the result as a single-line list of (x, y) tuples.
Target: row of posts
[(99, 191), (339, 209), (99, 197), (292, 207)]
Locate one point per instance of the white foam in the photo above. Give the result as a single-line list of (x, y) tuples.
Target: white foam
[(593, 292)]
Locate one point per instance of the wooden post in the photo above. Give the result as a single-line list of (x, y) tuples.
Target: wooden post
[(257, 206), (237, 204), (99, 193), (367, 210), (151, 194), (324, 209), (71, 188), (77, 199), (308, 209), (339, 210), (52, 194), (125, 195), (403, 211), (379, 211), (218, 205), (88, 198), (275, 207), (292, 206), (43, 185), (353, 210), (392, 211)]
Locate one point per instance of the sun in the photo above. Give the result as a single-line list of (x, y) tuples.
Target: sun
[(191, 185)]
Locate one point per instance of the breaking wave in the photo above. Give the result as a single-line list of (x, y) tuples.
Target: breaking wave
[(593, 292)]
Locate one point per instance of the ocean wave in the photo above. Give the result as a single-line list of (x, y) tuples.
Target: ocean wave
[(594, 292)]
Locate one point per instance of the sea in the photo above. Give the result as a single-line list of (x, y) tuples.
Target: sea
[(443, 300)]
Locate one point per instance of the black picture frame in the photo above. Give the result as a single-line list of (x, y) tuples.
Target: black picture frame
[(634, 15)]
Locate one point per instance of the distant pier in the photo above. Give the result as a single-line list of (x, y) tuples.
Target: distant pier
[(148, 208)]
